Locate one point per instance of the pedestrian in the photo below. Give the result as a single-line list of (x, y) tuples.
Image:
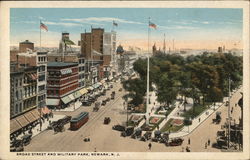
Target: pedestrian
[(199, 120), (206, 145), (188, 140), (187, 149), (149, 146), (208, 142), (95, 150)]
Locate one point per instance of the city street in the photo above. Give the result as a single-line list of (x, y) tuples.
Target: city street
[(103, 138)]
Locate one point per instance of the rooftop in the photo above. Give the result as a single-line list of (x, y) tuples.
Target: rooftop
[(26, 42), (60, 64)]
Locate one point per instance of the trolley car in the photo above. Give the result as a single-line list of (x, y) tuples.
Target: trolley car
[(79, 120)]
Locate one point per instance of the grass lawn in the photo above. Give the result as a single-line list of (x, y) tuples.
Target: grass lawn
[(198, 110), (167, 127)]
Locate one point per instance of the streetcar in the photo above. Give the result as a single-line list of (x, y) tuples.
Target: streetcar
[(78, 121)]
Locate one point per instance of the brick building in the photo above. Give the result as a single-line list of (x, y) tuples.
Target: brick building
[(25, 46), (62, 84), (100, 47)]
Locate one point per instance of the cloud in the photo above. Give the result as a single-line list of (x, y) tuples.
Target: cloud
[(177, 27), (61, 24), (100, 19), (205, 22)]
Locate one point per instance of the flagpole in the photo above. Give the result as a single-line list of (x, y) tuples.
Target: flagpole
[(40, 35), (91, 56), (147, 107)]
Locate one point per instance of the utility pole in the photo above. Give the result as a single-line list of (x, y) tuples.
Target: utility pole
[(164, 44), (229, 118), (173, 46)]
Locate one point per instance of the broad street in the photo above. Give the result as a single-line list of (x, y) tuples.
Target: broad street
[(104, 139)]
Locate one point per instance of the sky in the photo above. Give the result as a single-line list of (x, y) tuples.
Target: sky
[(192, 28)]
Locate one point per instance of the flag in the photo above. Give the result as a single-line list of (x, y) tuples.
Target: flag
[(152, 25), (43, 26), (115, 24)]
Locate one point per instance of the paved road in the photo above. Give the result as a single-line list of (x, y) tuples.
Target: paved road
[(104, 139)]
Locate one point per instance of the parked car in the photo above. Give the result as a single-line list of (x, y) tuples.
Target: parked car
[(175, 142), (107, 120), (26, 139), (86, 103), (118, 127)]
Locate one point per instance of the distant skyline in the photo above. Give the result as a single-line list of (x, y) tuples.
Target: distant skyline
[(194, 28)]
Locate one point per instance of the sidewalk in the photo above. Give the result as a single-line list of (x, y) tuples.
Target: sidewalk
[(72, 107), (45, 124)]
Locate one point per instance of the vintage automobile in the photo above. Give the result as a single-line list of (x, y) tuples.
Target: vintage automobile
[(26, 139), (107, 120), (128, 131), (175, 142), (16, 145), (157, 134), (217, 120), (118, 127), (86, 103), (103, 103), (146, 136), (97, 106)]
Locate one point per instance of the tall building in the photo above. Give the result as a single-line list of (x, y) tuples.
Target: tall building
[(62, 84), (42, 78), (23, 103), (25, 46), (98, 47), (72, 57)]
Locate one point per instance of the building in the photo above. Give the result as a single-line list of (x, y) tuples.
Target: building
[(128, 59), (62, 84), (100, 46), (25, 46), (42, 79), (72, 57), (23, 103)]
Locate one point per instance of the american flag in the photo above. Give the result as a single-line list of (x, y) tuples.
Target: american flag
[(152, 25), (43, 26)]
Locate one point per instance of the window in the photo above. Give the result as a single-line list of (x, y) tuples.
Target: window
[(16, 82), (41, 77), (20, 82), (41, 88), (16, 109), (17, 95), (20, 107)]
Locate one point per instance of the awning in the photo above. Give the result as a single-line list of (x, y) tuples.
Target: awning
[(66, 99), (90, 88), (52, 102), (22, 120), (83, 91), (14, 126), (103, 81), (35, 113), (71, 96), (45, 110), (96, 85), (30, 117), (77, 94)]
